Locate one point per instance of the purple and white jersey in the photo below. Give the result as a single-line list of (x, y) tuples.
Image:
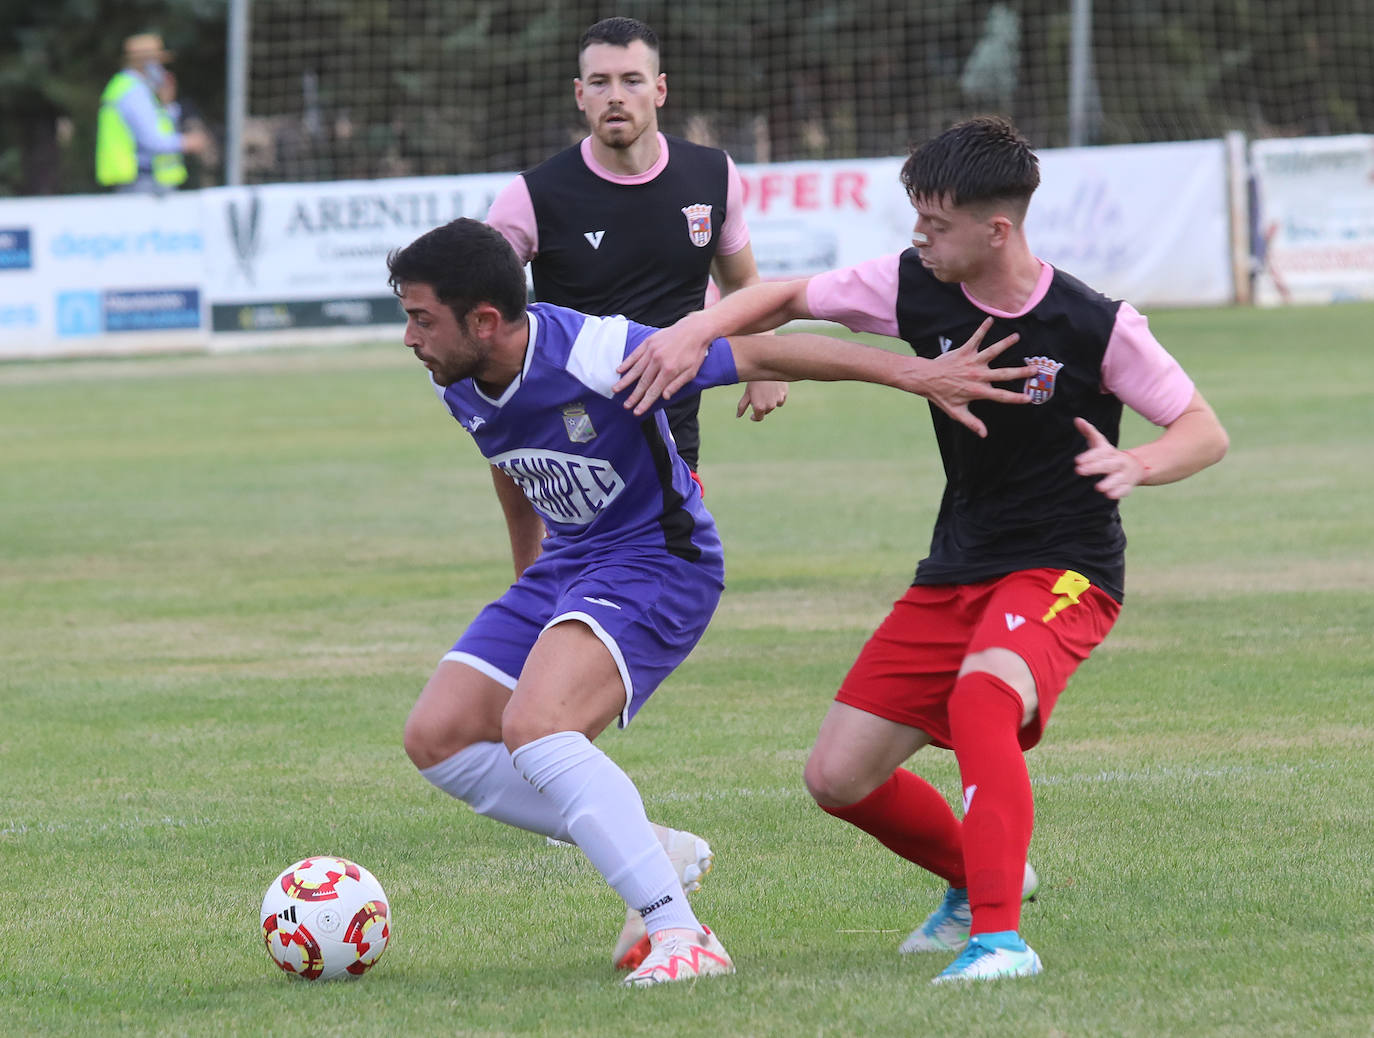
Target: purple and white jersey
[(602, 478)]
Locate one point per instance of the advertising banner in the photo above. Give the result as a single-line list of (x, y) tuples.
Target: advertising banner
[(288, 257), (1147, 222), (806, 217), (101, 275), (290, 263), (1313, 234)]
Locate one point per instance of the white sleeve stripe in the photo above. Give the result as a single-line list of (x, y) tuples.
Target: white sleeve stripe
[(598, 350)]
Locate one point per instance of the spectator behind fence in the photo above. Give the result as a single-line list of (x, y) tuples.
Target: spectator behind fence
[(138, 147)]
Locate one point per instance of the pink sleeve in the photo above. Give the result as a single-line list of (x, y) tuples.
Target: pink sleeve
[(1141, 373), (512, 213), (863, 298), (735, 234)]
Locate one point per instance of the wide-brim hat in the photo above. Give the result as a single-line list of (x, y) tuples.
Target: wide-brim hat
[(146, 46)]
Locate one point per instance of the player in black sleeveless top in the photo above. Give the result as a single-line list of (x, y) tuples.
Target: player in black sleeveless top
[(632, 221), (1025, 572)]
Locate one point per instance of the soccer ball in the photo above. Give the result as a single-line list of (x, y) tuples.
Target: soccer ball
[(325, 917)]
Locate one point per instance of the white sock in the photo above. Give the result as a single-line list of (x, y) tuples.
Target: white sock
[(605, 815), (482, 776)]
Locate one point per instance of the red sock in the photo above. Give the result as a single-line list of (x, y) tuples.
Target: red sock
[(908, 816), (984, 718)]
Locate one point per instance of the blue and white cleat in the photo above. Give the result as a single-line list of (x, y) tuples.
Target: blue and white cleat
[(991, 956), (947, 928)]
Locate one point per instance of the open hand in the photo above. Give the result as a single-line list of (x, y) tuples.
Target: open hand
[(957, 378), (1121, 471)]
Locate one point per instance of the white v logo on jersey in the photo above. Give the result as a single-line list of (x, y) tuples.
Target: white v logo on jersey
[(946, 344), (595, 238), (968, 796), (1013, 621)]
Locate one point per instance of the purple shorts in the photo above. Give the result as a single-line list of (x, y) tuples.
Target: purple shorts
[(649, 610)]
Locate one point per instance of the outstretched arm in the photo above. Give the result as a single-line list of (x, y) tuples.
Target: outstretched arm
[(669, 359), (732, 273), (1191, 442), (951, 381)]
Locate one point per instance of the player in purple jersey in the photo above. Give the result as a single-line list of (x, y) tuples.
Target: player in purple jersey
[(630, 571), (635, 222), (1025, 573)]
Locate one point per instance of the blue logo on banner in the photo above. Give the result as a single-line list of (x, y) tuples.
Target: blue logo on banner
[(19, 315), (16, 252), (78, 313), (152, 309), (125, 246)]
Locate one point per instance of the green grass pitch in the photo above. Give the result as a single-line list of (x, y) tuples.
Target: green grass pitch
[(224, 579)]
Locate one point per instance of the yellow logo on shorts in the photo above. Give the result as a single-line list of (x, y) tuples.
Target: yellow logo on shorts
[(1068, 587)]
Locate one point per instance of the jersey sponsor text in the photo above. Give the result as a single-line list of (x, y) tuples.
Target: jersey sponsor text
[(565, 488)]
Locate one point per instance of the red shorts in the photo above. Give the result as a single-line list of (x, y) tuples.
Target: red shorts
[(1051, 618)]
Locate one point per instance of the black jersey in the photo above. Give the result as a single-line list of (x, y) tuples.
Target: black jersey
[(1012, 501), (641, 250)]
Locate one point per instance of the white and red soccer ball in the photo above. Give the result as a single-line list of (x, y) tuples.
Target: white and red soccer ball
[(325, 917)]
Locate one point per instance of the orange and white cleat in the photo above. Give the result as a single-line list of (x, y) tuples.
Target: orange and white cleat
[(692, 857), (680, 955)]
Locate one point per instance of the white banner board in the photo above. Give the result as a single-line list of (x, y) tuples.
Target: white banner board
[(1313, 237), (286, 257), (284, 263), (101, 275), (1146, 222), (806, 217)]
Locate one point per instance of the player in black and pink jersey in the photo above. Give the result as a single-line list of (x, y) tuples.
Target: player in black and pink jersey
[(631, 221), (1025, 573), (630, 571)]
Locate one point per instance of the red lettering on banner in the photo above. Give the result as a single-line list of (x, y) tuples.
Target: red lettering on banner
[(770, 188), (850, 186), (805, 191)]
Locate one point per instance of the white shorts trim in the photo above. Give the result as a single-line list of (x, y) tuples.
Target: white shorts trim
[(605, 638), (482, 666)]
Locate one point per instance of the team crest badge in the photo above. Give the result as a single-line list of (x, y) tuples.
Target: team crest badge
[(578, 424), (698, 223), (1040, 387)]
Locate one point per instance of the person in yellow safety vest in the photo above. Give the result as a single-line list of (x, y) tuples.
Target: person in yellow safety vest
[(138, 147)]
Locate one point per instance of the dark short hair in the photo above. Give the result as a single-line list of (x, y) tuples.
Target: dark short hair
[(619, 32), (465, 262), (984, 159)]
